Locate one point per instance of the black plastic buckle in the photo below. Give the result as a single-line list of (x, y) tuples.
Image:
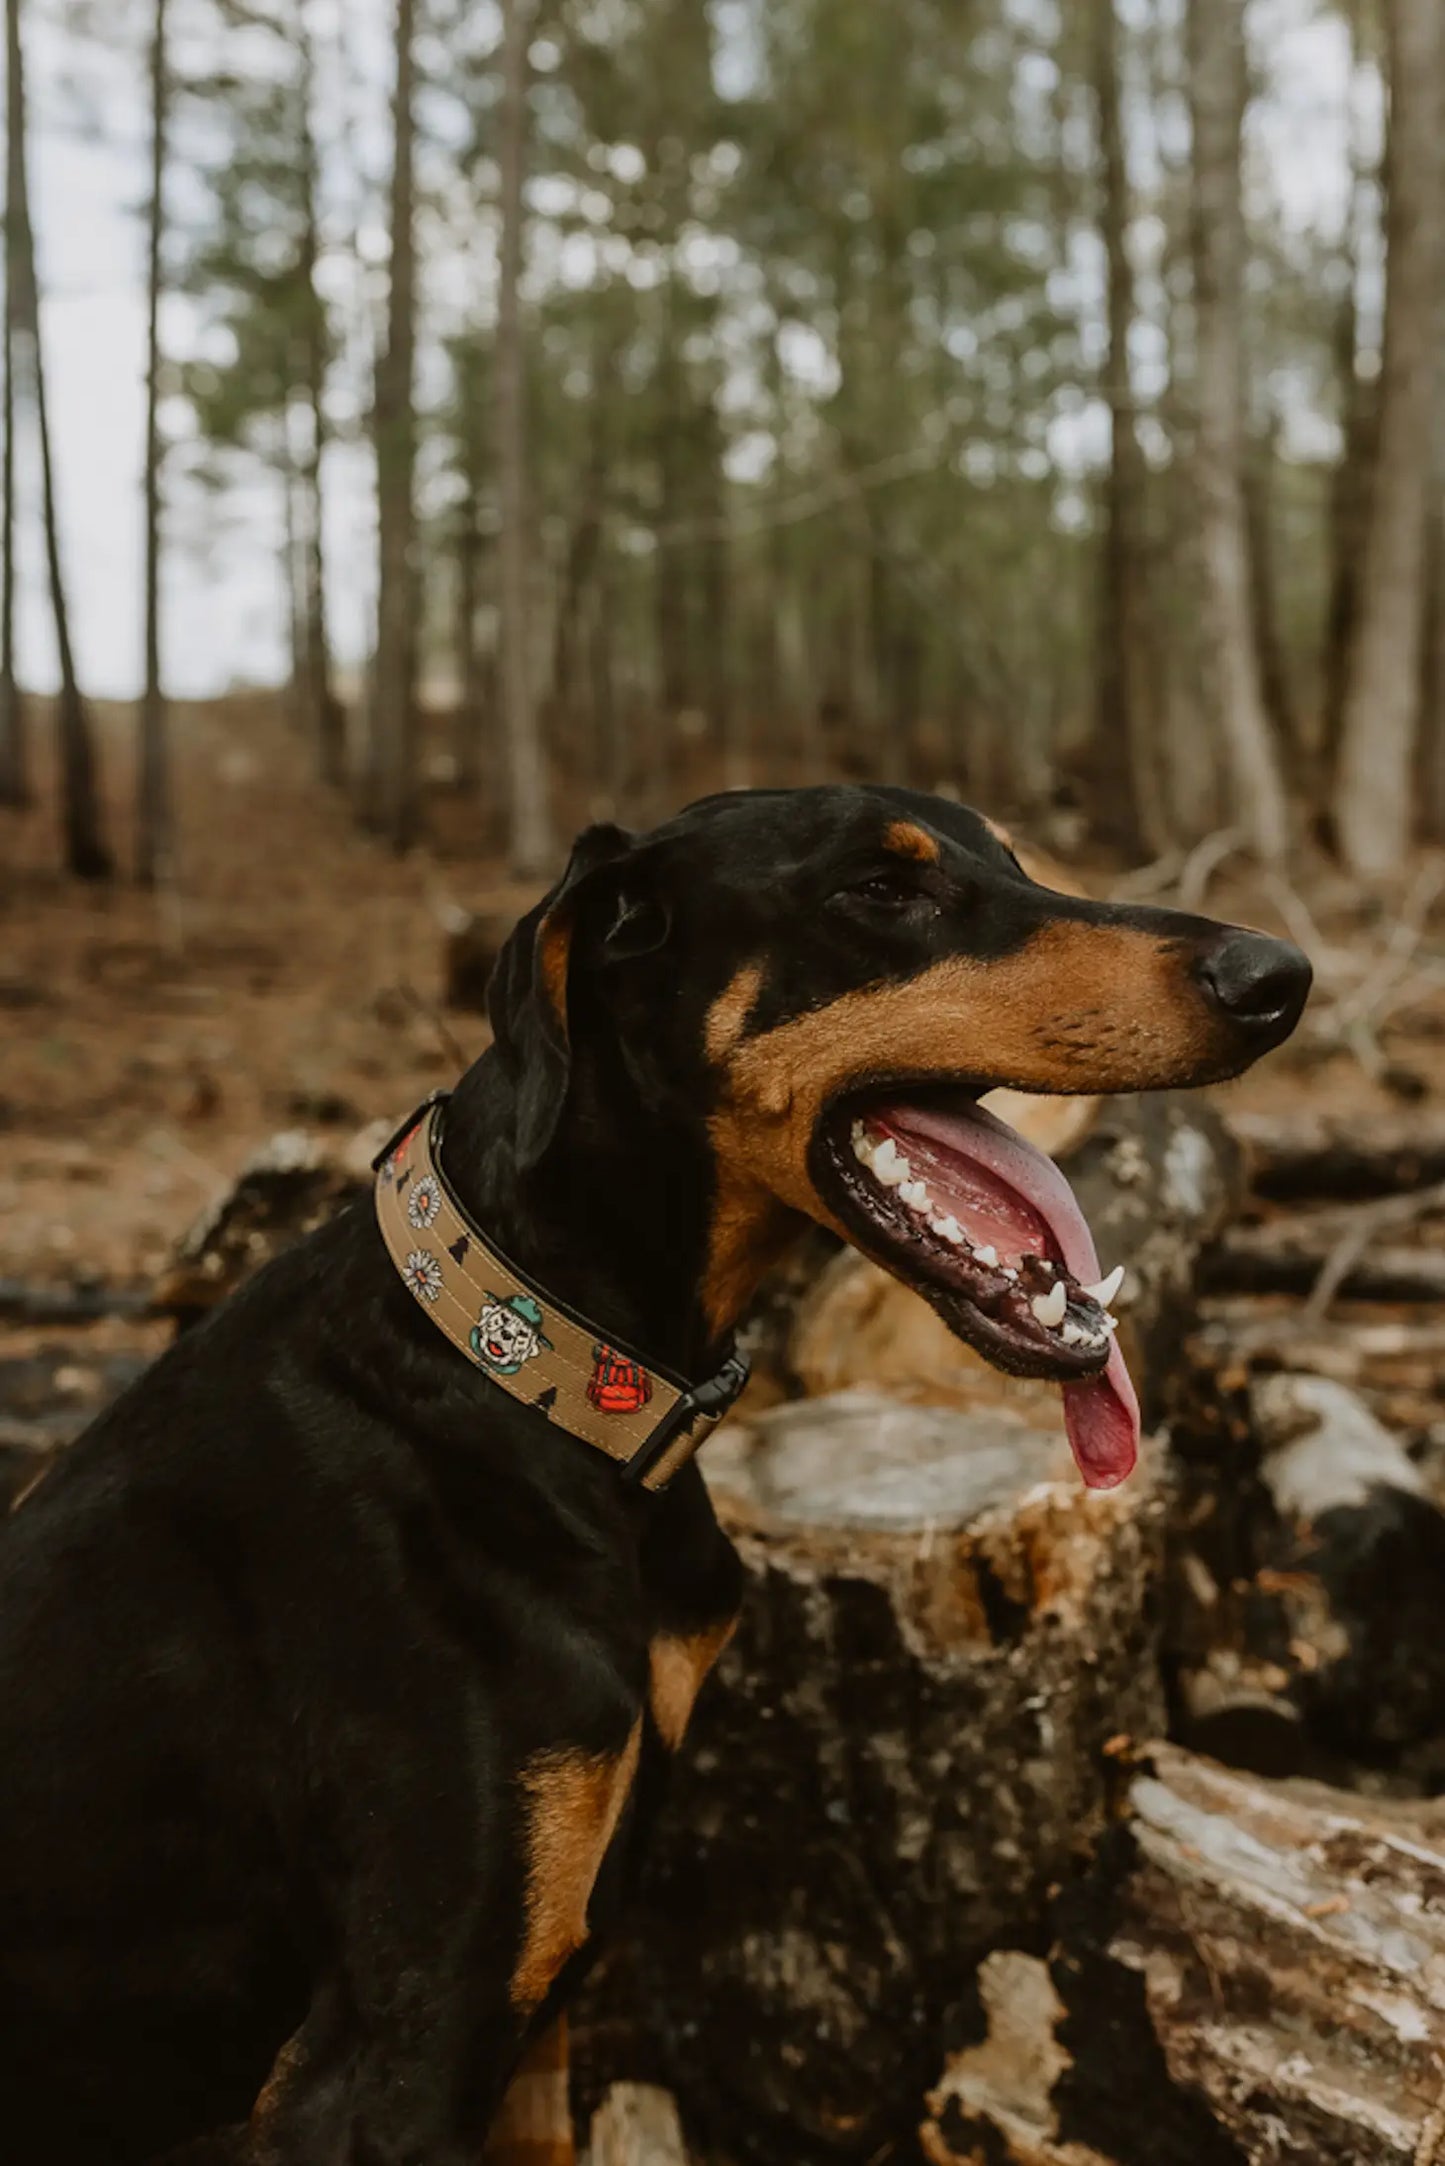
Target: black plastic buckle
[(404, 1128), (712, 1399)]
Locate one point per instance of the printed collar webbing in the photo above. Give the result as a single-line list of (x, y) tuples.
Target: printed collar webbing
[(582, 1379)]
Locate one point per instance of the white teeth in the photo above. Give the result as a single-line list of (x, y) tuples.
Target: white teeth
[(915, 1195), (1009, 1272), (1073, 1335), (951, 1231), (1049, 1308), (889, 1165), (987, 1256), (1111, 1324), (1107, 1288)]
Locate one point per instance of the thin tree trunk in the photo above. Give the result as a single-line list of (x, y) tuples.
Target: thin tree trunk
[(1217, 79), (1127, 725), (86, 854), (529, 808), (155, 840), (14, 775), (467, 722), (393, 806), (1259, 468), (326, 718), (1349, 491), (1374, 787)]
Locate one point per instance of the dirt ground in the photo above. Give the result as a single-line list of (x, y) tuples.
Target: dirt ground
[(293, 979)]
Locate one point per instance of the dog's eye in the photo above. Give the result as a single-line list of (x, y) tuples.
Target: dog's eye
[(885, 891)]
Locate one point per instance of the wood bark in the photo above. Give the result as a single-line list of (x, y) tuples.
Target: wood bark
[(1254, 1975), (393, 778), (1127, 723), (1217, 92), (155, 839), (1319, 1155), (86, 852), (1374, 788), (530, 818)]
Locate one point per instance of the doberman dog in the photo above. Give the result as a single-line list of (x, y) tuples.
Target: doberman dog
[(337, 1680)]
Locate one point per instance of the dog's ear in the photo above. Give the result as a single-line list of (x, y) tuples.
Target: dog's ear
[(603, 901)]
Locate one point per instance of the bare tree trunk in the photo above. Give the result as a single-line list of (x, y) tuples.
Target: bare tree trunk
[(14, 777), (1374, 786), (1259, 469), (530, 811), (1349, 491), (1128, 724), (86, 854), (393, 793), (326, 718), (1217, 79), (155, 840)]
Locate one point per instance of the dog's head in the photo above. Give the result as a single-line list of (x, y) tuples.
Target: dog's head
[(820, 985)]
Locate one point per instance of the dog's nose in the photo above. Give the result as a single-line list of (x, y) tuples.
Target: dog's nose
[(1260, 983)]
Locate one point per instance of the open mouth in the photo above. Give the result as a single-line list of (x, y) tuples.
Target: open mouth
[(983, 1226)]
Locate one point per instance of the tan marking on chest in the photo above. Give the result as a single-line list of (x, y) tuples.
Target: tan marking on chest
[(680, 1664), (906, 840), (533, 2126), (574, 1801)]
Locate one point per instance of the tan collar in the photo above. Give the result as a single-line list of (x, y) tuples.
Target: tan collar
[(585, 1381)]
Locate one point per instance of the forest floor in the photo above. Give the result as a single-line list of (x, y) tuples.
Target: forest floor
[(292, 978)]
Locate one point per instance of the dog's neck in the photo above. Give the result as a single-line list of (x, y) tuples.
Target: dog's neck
[(624, 1218)]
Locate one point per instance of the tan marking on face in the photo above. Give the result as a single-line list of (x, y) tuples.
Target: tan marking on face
[(1081, 1008), (554, 947), (906, 840), (533, 2126), (679, 1665), (574, 1801), (728, 1015)]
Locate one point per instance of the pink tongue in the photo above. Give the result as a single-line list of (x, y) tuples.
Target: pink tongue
[(1000, 1187)]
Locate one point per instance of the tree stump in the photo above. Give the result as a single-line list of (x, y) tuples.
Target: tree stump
[(1253, 1975)]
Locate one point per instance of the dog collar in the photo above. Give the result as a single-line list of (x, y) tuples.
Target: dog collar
[(529, 1344)]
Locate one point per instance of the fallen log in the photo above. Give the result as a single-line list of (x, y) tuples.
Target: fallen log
[(1287, 1256), (289, 1186), (1301, 1155), (1253, 1975), (1303, 1594), (87, 1302)]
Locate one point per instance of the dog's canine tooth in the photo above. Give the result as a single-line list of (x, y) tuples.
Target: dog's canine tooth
[(1107, 1288), (1049, 1308), (889, 1164)]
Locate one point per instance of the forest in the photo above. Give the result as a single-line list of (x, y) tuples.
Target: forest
[(549, 411), (954, 392)]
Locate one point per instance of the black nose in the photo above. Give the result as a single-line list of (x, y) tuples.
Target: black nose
[(1260, 983)]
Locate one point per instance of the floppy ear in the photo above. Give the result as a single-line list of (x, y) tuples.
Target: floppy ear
[(528, 997)]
